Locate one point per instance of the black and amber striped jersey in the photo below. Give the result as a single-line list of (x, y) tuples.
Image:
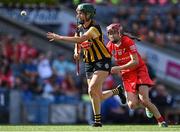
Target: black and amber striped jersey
[(97, 50)]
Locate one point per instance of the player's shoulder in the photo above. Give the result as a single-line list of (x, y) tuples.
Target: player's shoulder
[(127, 40), (95, 25)]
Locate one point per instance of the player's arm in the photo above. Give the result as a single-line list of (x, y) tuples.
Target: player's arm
[(91, 33), (131, 48), (132, 63)]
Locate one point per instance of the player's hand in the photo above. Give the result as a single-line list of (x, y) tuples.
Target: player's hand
[(52, 36), (115, 69), (76, 56)]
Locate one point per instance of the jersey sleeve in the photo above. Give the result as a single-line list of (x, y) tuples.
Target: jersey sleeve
[(131, 47), (93, 32)]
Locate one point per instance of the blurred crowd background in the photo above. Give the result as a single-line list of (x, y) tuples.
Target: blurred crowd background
[(39, 85)]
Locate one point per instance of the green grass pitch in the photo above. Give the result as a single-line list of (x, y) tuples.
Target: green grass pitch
[(85, 128)]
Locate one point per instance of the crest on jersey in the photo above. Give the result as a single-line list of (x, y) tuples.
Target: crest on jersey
[(119, 52), (106, 65)]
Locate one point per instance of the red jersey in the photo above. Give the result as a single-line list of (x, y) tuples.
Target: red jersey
[(7, 78), (24, 51), (8, 50), (122, 52)]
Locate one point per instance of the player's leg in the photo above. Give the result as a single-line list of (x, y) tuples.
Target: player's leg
[(104, 66), (95, 93), (144, 98), (106, 94), (119, 90), (121, 93), (129, 82), (132, 100)]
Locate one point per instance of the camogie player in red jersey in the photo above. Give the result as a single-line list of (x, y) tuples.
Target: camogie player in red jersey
[(133, 70)]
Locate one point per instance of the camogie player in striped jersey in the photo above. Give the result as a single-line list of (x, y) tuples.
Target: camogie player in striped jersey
[(133, 71), (96, 56)]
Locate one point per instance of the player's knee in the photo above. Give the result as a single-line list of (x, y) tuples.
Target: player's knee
[(132, 105), (92, 92), (145, 101)]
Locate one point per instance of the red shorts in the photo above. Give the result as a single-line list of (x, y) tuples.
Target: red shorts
[(139, 76)]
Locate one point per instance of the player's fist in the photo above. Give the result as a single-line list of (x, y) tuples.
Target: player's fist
[(52, 36), (76, 56), (115, 69)]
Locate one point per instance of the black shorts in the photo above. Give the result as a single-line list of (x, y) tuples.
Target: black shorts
[(102, 65)]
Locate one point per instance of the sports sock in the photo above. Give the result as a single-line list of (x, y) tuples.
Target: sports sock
[(160, 119), (115, 91), (97, 118)]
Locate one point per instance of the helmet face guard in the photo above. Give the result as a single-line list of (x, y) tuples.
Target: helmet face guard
[(114, 30), (115, 27)]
